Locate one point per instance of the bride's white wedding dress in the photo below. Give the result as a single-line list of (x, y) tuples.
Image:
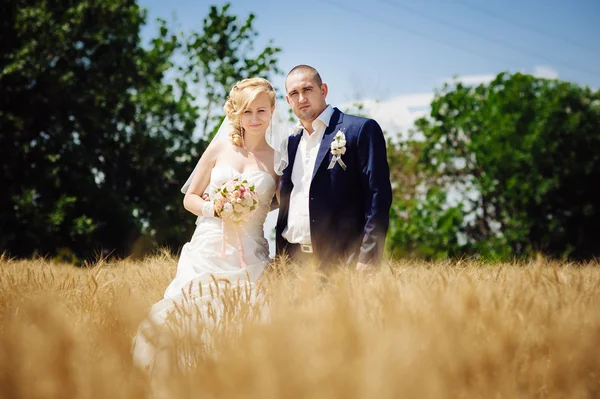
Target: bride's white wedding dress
[(204, 271)]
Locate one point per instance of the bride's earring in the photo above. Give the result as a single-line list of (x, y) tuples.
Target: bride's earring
[(271, 130)]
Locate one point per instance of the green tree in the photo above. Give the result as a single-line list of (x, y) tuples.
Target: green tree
[(222, 53), (95, 140), (522, 154), (422, 223)]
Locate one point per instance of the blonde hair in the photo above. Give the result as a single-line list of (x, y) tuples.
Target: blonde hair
[(242, 94)]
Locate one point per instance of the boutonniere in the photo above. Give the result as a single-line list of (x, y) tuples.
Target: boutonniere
[(338, 148)]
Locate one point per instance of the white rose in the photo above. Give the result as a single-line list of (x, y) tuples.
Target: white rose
[(227, 208), (238, 208)]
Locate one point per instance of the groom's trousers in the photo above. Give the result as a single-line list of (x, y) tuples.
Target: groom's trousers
[(300, 253)]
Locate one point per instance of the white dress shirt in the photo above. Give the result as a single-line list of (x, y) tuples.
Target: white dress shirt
[(297, 230)]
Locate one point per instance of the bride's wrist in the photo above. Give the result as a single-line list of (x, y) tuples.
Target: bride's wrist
[(208, 209)]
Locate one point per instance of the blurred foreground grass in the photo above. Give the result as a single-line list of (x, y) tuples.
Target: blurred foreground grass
[(411, 330)]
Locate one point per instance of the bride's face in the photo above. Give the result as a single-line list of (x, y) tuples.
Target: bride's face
[(257, 116)]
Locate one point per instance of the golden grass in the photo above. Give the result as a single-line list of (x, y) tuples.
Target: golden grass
[(412, 330)]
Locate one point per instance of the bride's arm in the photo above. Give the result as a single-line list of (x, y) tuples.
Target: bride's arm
[(275, 202), (193, 201)]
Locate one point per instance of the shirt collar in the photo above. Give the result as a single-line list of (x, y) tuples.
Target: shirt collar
[(324, 117)]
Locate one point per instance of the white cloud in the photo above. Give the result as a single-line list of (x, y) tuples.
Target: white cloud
[(415, 100), (540, 71), (399, 113), (471, 79), (545, 71)]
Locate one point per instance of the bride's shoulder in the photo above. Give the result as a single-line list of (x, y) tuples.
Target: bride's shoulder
[(222, 146), (214, 149)]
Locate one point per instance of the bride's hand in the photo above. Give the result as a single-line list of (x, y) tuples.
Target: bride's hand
[(208, 209)]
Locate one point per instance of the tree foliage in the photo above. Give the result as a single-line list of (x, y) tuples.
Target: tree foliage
[(220, 55), (96, 129), (519, 158)]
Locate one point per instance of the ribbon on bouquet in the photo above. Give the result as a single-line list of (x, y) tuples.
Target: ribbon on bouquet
[(243, 263), (338, 159)]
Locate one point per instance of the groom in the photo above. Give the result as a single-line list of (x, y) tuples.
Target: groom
[(335, 192)]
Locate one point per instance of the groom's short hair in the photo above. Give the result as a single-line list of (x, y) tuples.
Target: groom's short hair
[(306, 68)]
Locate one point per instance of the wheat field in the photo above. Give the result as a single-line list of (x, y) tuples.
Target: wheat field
[(411, 330)]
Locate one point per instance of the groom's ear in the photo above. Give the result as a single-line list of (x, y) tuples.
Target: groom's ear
[(324, 90)]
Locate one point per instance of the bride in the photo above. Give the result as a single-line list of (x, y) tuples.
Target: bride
[(220, 254)]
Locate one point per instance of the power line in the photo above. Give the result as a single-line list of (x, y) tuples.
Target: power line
[(413, 31), (525, 26), (503, 43)]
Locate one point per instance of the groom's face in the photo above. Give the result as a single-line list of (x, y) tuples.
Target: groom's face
[(305, 96)]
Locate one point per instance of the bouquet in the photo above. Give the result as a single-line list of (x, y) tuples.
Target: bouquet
[(235, 201)]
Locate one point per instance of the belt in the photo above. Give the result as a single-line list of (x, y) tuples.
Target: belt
[(306, 248)]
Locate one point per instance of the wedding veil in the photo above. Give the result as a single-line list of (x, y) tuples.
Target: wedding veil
[(276, 136)]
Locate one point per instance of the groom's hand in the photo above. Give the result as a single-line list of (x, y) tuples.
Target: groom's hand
[(362, 267)]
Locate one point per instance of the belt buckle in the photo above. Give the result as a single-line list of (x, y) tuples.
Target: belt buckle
[(306, 248)]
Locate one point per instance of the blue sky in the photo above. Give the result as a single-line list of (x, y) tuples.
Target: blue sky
[(381, 49)]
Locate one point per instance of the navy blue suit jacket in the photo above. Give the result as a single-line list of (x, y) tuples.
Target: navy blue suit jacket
[(349, 209)]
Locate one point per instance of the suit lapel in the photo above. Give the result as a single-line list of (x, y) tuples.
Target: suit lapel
[(293, 143), (328, 136)]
